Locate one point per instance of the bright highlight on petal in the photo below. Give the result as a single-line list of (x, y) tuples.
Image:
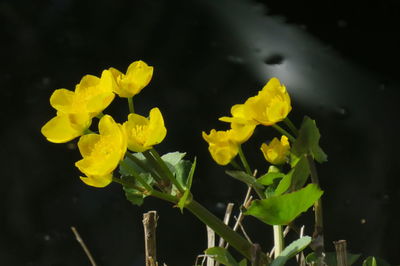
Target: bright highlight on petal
[(142, 133), (136, 78), (65, 127), (101, 152), (277, 151)]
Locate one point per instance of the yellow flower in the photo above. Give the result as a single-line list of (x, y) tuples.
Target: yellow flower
[(143, 133), (223, 146), (92, 95), (243, 126), (277, 151), (240, 115), (137, 77), (65, 127), (271, 105), (101, 152), (75, 109)]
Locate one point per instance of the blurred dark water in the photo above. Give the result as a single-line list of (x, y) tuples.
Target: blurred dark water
[(338, 61)]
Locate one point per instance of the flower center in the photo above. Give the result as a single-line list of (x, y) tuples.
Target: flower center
[(139, 133)]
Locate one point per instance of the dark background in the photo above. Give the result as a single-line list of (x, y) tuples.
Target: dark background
[(338, 59)]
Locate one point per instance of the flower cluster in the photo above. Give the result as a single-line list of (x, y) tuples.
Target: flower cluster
[(76, 109), (270, 106)]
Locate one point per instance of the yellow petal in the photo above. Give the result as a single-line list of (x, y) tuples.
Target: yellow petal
[(137, 77), (60, 129), (222, 146), (87, 142), (272, 84), (102, 153), (118, 76), (277, 151), (223, 155), (140, 74), (240, 133), (277, 110), (157, 130), (97, 181), (107, 126), (62, 100), (143, 133), (86, 82), (98, 164)]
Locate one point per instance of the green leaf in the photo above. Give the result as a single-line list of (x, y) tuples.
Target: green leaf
[(308, 141), (290, 251), (243, 262), (173, 158), (283, 185), (299, 174), (245, 178), (180, 168), (183, 199), (127, 165), (370, 261), (311, 259), (181, 172), (135, 196), (222, 255), (374, 261), (330, 258), (268, 178), (282, 209)]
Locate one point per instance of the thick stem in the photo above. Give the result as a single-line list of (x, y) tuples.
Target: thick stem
[(233, 238), (130, 103), (278, 240), (341, 252), (149, 224)]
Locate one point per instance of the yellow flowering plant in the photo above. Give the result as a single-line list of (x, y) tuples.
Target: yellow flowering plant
[(276, 152), (284, 186)]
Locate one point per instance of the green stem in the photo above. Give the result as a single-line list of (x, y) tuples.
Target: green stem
[(164, 196), (88, 131), (142, 165), (128, 184), (137, 177), (278, 240), (165, 170), (130, 103), (233, 238), (244, 161), (319, 226), (284, 132), (235, 165), (100, 115), (291, 126)]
